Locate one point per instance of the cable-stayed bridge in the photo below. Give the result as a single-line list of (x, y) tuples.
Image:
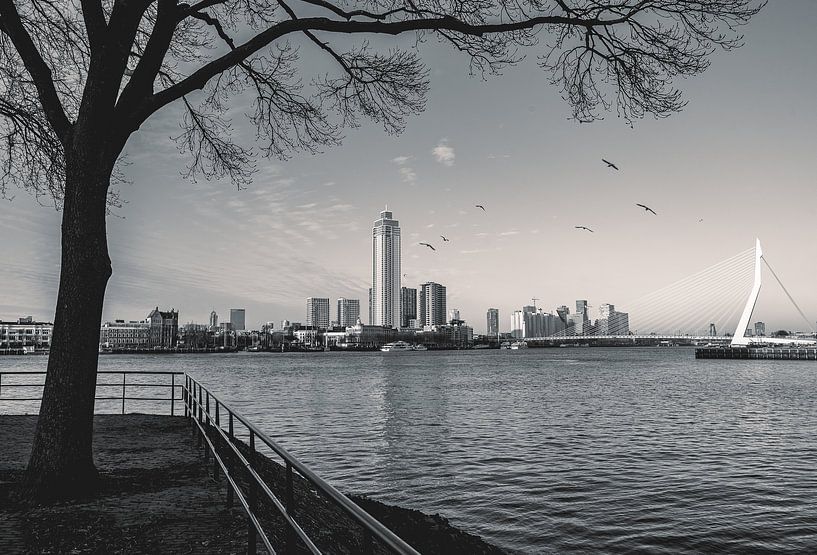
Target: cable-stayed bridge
[(720, 298)]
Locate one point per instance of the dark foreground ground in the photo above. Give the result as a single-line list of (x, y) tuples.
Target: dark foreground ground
[(158, 496)]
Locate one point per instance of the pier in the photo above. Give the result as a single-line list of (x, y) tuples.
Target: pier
[(758, 353)]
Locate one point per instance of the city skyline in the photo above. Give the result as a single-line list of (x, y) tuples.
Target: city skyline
[(309, 216)]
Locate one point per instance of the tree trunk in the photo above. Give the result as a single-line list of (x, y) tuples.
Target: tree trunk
[(61, 464)]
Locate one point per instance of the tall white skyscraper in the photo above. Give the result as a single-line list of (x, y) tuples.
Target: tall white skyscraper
[(385, 302)]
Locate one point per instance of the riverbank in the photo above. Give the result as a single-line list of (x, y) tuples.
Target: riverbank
[(158, 496)]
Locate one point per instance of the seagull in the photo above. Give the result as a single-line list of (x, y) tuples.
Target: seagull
[(429, 246), (699, 221), (647, 208), (610, 164), (480, 206), (583, 227), (444, 238)]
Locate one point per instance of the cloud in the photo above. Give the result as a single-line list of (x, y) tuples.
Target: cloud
[(407, 174), (507, 233), (443, 153)]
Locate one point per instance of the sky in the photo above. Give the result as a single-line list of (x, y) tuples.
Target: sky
[(740, 156)]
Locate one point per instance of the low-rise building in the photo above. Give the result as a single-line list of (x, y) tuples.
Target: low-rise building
[(25, 335), (120, 334)]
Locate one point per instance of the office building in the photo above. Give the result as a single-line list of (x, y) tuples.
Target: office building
[(453, 314), (317, 312), (760, 329), (532, 322), (237, 319), (213, 320), (611, 321), (164, 328), (348, 312), (125, 335), (493, 322), (408, 306), (386, 271), (432, 304)]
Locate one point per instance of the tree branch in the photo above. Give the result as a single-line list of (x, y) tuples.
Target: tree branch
[(12, 26)]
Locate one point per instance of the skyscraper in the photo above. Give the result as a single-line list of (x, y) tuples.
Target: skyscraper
[(581, 308), (317, 312), (408, 306), (213, 320), (348, 312), (453, 314), (432, 304), (238, 318), (386, 275), (493, 322)]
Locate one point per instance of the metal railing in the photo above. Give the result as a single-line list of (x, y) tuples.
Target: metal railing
[(198, 401), (15, 381)]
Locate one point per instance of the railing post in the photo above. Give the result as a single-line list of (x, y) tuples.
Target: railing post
[(215, 462), (124, 377), (230, 435), (198, 405), (172, 394), (290, 501), (251, 532)]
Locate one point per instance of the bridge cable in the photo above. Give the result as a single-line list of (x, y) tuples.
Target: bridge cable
[(808, 322)]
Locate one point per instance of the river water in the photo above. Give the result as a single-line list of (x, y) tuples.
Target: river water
[(545, 450)]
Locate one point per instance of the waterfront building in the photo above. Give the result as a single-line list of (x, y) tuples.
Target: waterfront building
[(213, 320), (453, 314), (533, 322), (25, 335), (408, 306), (371, 307), (363, 336), (307, 335), (432, 304), (414, 324), (120, 334), (348, 312), (164, 328), (611, 321), (385, 296), (238, 319), (760, 329), (317, 312), (493, 322), (581, 308)]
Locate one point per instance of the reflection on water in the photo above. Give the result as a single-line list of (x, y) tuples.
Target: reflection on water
[(546, 450)]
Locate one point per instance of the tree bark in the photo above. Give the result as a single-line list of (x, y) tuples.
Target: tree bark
[(61, 464)]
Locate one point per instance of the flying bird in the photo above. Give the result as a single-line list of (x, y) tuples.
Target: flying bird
[(583, 227), (480, 206), (429, 246), (647, 208), (610, 164), (444, 238), (700, 220)]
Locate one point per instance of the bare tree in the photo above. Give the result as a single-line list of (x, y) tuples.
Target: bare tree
[(79, 77)]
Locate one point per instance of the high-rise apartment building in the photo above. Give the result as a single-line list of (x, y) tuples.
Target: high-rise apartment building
[(348, 312), (493, 322), (317, 312), (385, 305), (432, 304), (238, 319), (408, 306)]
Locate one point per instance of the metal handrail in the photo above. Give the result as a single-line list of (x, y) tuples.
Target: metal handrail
[(197, 402), (123, 386)]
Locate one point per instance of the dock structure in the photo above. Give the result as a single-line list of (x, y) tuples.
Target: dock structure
[(757, 353)]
